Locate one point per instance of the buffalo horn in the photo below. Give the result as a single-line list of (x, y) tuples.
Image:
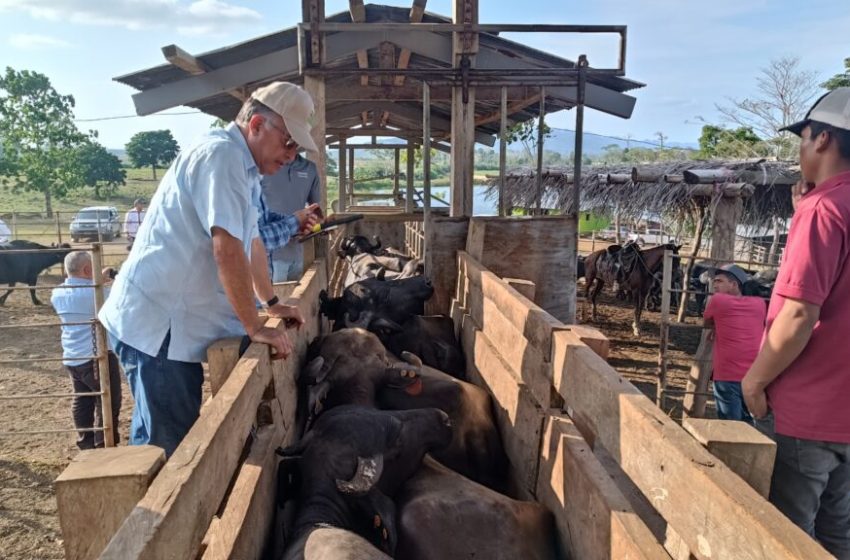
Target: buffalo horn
[(411, 358), (368, 473)]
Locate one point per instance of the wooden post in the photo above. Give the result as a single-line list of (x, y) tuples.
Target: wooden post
[(409, 204), (503, 149), (343, 178), (315, 86), (351, 185), (396, 170), (59, 239), (745, 450), (102, 349), (666, 281), (464, 48), (683, 302), (426, 152), (222, 356), (14, 225), (98, 490)]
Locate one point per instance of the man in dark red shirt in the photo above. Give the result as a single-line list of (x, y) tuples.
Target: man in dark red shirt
[(798, 388), (738, 323)]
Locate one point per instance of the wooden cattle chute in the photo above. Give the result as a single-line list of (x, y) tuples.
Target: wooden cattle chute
[(622, 479), (105, 393)]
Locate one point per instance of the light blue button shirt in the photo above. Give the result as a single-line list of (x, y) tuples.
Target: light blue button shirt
[(75, 305), (170, 280)]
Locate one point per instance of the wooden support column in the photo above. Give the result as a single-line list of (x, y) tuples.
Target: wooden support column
[(745, 450), (409, 204), (349, 192), (503, 149), (313, 12), (426, 153), (464, 48), (396, 170), (538, 179), (343, 178), (727, 211), (97, 492)]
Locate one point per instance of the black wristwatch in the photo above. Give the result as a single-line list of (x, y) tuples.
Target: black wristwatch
[(273, 301)]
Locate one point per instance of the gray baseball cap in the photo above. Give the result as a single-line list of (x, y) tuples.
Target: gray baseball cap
[(734, 271), (832, 108)]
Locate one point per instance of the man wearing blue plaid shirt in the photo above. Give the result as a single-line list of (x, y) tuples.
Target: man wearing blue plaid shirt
[(276, 230)]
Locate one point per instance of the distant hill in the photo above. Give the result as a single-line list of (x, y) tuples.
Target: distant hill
[(563, 141)]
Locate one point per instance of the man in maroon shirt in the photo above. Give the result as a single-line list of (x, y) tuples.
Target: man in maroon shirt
[(799, 385), (738, 323)]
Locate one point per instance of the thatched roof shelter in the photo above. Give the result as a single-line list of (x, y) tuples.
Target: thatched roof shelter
[(675, 188)]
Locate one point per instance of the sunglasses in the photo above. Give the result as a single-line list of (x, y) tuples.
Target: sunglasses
[(288, 142)]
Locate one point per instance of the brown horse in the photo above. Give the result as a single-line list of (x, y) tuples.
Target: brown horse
[(634, 269)]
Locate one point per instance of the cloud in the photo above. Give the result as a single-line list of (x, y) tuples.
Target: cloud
[(33, 42), (200, 17)]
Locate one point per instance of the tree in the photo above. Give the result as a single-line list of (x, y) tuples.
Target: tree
[(785, 92), (37, 136), (719, 142), (156, 148), (99, 169), (526, 134), (839, 80)]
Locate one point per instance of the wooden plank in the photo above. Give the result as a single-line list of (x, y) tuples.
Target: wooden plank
[(699, 378), (539, 249), (185, 61), (594, 519), (519, 417), (444, 238), (526, 288), (222, 356), (97, 491), (170, 521), (745, 450), (716, 513), (535, 324), (315, 86)]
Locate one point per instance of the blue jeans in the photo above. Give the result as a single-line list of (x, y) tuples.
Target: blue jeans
[(287, 271), (730, 401), (167, 395), (811, 486)]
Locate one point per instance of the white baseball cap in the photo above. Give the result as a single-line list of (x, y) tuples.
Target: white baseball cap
[(832, 108), (294, 105)]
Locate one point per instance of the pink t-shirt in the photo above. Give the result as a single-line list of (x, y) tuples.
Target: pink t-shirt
[(738, 330), (811, 398)]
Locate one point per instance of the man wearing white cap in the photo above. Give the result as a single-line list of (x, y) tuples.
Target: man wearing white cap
[(799, 385), (198, 263)]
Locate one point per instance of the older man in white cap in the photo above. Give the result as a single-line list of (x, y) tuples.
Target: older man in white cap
[(198, 263)]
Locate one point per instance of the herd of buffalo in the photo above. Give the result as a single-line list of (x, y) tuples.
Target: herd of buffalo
[(400, 456)]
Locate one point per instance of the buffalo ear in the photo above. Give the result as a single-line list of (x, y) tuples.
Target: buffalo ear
[(314, 372), (366, 476), (316, 396), (388, 326)]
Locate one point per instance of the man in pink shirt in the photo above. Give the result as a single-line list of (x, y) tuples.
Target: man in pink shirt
[(738, 323), (798, 388)]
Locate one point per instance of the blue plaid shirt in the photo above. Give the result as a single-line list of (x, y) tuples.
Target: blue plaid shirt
[(276, 230)]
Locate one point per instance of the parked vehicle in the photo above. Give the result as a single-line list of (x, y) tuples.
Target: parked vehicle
[(96, 222)]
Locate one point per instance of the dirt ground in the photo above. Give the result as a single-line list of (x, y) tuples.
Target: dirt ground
[(29, 526)]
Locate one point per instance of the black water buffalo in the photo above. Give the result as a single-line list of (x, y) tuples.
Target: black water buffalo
[(444, 515), (351, 464), (432, 338), (476, 449), (25, 267), (352, 367), (367, 302)]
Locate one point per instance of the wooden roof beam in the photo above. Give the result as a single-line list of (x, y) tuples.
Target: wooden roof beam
[(512, 108), (416, 13), (188, 63), (358, 15)]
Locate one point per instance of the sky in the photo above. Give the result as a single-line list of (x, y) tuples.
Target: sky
[(692, 55)]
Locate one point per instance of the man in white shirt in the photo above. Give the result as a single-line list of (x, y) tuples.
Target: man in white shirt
[(76, 305), (198, 263), (132, 221)]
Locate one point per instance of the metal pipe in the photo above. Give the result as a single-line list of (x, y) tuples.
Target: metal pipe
[(503, 149), (102, 350), (33, 325), (31, 360)]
